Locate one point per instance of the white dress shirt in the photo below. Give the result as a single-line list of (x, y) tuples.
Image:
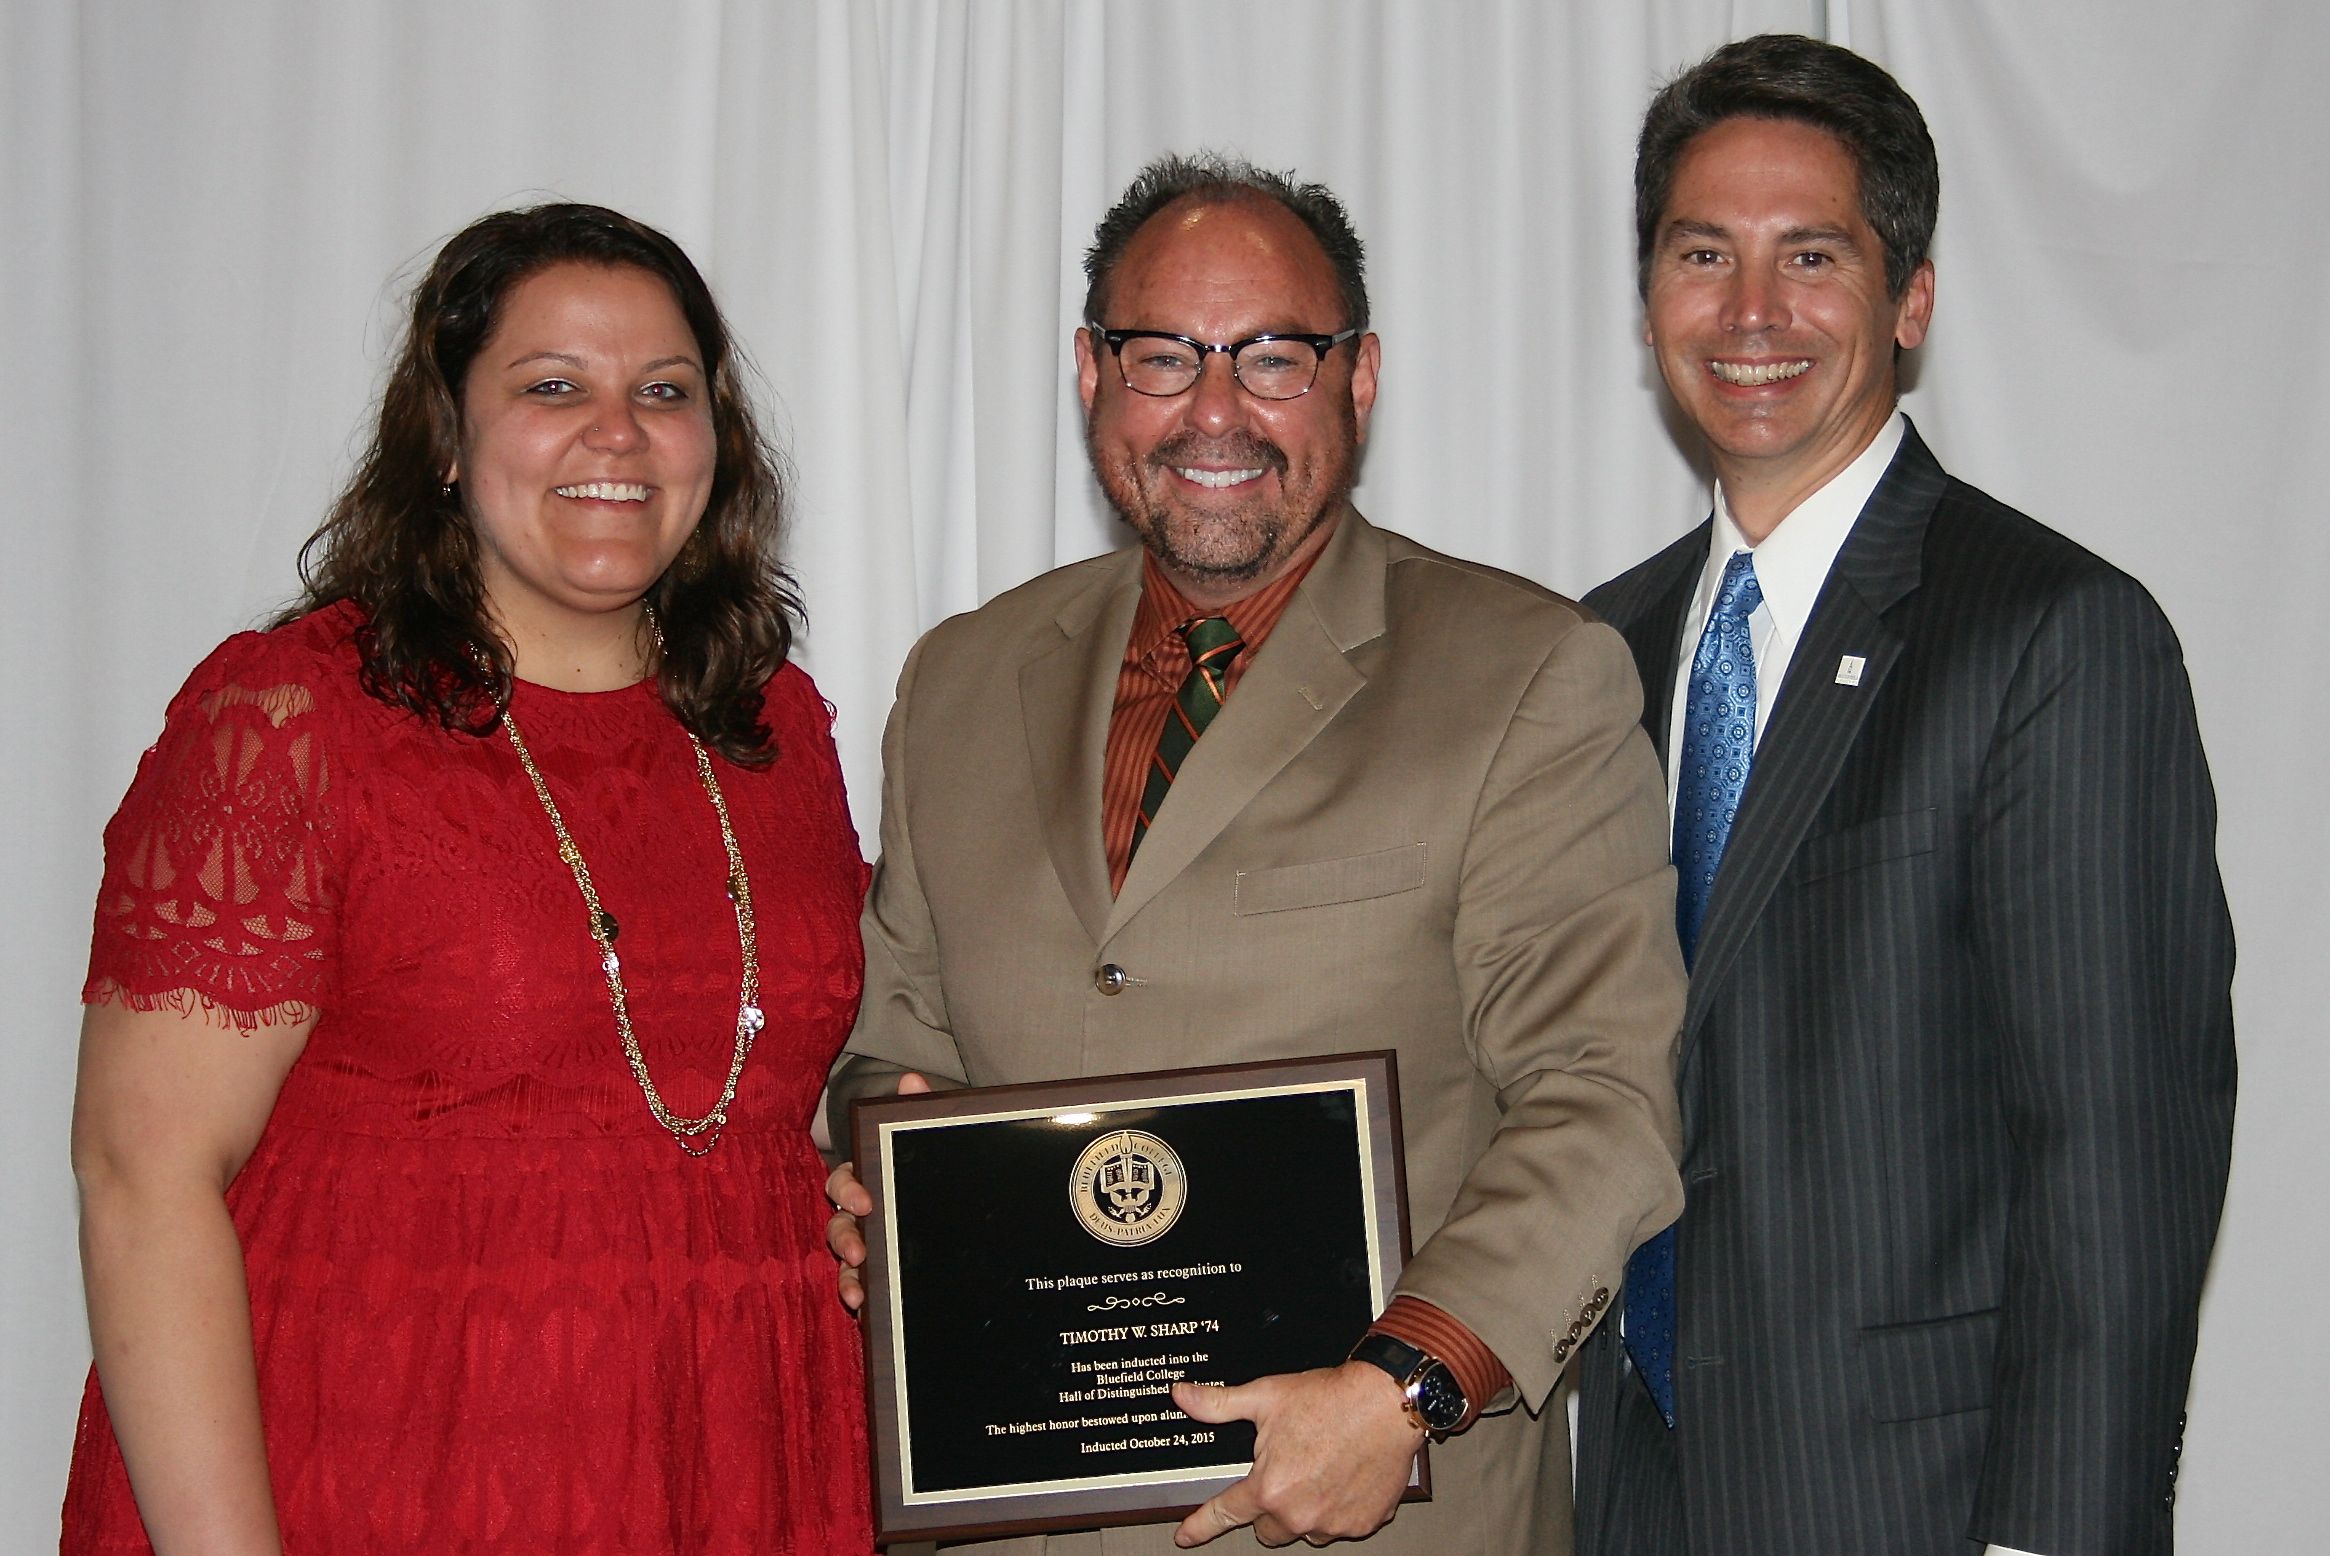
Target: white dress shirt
[(1792, 564)]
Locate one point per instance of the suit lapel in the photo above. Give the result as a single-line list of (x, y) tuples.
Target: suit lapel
[(1816, 720), (1299, 681), (1067, 693), (1656, 639)]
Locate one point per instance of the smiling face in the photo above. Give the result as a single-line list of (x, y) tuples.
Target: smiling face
[(1768, 312), (587, 451), (1227, 491)]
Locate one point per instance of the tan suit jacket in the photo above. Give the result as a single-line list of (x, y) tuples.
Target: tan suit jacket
[(1427, 820)]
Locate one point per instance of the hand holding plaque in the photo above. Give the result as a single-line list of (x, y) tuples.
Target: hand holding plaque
[(845, 1234), (1334, 1452), (1044, 1264)]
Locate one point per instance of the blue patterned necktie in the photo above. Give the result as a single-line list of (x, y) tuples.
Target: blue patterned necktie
[(1719, 741)]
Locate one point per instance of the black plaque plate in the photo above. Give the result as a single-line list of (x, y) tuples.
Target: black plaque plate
[(1044, 1262)]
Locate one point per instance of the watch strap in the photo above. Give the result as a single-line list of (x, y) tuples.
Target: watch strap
[(1442, 1334), (1409, 1367), (1401, 1360)]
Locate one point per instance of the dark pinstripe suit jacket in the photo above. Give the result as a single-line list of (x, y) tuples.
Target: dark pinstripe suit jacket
[(1957, 1064)]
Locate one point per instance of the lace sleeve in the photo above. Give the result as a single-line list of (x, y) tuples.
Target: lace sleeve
[(219, 884)]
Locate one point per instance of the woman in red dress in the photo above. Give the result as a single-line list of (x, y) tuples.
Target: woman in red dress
[(471, 948)]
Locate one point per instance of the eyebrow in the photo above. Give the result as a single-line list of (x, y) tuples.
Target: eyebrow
[(1686, 228), (1682, 227), (568, 359), (1842, 237)]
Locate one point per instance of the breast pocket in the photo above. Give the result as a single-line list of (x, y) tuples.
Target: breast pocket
[(1901, 836), (1322, 882)]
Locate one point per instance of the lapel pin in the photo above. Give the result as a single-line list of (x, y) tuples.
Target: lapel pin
[(1848, 670)]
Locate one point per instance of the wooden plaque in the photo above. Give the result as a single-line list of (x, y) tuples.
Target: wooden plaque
[(1045, 1261)]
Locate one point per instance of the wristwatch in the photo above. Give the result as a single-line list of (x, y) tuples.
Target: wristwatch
[(1433, 1398)]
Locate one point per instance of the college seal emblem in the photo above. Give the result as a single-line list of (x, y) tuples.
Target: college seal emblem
[(1127, 1188)]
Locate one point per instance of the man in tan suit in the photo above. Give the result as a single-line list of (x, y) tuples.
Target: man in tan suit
[(1425, 818)]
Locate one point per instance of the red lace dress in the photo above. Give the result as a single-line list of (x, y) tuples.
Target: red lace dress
[(495, 1308)]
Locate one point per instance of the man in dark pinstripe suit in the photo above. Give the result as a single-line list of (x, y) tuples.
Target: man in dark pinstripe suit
[(1957, 1065)]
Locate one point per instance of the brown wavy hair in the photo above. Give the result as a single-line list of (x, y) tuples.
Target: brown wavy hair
[(398, 543)]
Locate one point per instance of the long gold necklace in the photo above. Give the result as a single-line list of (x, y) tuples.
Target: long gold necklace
[(749, 1020)]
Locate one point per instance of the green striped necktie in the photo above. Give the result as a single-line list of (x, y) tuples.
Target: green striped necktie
[(1213, 643)]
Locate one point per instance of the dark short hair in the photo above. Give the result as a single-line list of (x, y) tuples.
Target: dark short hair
[(1785, 76), (1215, 178), (399, 544)]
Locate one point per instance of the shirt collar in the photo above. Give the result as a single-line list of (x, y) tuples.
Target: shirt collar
[(1793, 561), (1163, 609)]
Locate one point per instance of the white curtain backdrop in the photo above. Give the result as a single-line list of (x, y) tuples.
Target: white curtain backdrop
[(208, 214)]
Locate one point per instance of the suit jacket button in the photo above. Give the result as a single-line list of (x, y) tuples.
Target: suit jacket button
[(1110, 979), (1561, 1350), (1577, 1328), (1601, 1298)]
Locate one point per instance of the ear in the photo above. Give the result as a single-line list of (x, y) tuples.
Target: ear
[(1366, 363), (1088, 349), (1917, 308)]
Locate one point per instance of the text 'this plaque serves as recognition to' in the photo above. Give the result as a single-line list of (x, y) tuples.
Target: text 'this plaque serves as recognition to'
[(1045, 1262)]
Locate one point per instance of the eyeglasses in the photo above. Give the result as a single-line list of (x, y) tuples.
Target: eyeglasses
[(1268, 367)]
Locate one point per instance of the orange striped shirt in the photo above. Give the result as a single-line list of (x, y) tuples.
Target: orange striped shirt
[(1428, 1329), (1156, 662)]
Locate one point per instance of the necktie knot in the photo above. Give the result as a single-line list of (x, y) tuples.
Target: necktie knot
[(1212, 640), (1738, 594)]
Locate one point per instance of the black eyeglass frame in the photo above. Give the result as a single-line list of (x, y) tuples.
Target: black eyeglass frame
[(1320, 344)]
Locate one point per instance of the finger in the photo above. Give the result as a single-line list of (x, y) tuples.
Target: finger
[(849, 1252), (1211, 1402), (844, 1238), (911, 1084), (1217, 1518), (1269, 1531), (845, 1193)]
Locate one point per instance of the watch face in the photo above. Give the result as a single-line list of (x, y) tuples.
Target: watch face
[(1439, 1399)]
